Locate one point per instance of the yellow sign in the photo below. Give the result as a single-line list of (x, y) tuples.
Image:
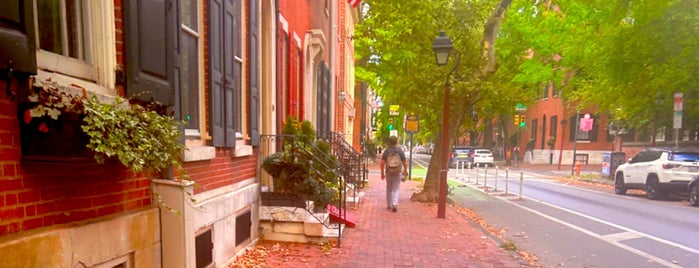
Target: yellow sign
[(412, 124), (393, 109)]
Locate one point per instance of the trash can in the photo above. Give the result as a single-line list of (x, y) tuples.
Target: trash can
[(610, 161)]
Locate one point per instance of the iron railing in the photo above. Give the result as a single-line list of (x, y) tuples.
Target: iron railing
[(270, 144)]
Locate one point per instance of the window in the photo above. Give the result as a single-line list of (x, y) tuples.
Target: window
[(545, 91), (190, 96), (74, 36), (660, 134), (590, 135), (204, 247), (243, 228), (554, 126), (534, 128), (120, 262), (64, 28)]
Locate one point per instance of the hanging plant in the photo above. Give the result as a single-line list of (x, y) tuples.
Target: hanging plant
[(139, 137)]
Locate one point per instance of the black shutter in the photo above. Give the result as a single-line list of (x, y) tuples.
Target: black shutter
[(152, 29), (216, 68), (17, 38), (254, 75), (223, 80), (594, 130)]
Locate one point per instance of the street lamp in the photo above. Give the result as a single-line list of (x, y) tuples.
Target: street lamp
[(442, 47)]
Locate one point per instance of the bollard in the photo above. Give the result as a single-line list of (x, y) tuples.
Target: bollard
[(496, 179), (476, 169), (521, 184), (485, 178), (507, 180)]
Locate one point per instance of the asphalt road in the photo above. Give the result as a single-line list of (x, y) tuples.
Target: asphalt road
[(574, 227)]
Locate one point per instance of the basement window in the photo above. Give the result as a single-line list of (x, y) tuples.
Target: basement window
[(204, 249), (243, 227)]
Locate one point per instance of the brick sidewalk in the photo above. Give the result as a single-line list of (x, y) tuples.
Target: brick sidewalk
[(414, 236)]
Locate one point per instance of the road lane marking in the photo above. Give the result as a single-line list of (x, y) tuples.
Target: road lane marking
[(623, 236), (609, 239)]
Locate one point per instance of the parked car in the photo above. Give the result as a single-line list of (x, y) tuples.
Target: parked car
[(694, 191), (658, 171), (483, 157), (461, 154)]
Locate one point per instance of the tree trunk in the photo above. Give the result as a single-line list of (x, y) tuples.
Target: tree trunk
[(430, 192)]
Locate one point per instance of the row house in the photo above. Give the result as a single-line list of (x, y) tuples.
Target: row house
[(231, 70), (548, 132)]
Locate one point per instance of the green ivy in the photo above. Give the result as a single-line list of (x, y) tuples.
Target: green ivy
[(142, 139)]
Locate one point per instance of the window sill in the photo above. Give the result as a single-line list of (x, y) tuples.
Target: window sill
[(242, 150), (199, 153)]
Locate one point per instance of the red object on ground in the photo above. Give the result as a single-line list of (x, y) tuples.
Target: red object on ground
[(350, 219)]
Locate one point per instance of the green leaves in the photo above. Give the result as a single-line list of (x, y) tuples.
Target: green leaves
[(141, 139)]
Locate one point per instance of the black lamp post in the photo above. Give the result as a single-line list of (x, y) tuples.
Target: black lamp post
[(442, 47)]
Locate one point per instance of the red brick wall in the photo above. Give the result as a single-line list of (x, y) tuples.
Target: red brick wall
[(222, 171), (34, 195)]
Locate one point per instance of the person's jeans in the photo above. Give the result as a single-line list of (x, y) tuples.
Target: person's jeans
[(392, 189)]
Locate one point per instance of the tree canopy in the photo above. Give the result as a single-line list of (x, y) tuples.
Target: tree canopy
[(626, 58)]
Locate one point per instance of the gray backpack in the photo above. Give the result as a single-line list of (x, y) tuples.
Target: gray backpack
[(394, 165)]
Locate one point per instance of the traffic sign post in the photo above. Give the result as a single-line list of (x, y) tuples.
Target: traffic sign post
[(677, 118), (412, 126)]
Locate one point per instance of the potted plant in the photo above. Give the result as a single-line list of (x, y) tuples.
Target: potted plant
[(551, 141), (304, 169)]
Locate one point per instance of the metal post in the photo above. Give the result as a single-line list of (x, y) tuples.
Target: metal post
[(477, 170), (485, 179), (507, 180), (575, 143), (521, 184), (496, 179), (410, 164)]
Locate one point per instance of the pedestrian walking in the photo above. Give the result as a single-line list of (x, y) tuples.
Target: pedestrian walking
[(394, 170)]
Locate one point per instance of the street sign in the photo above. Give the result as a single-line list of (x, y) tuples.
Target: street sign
[(677, 118), (520, 107), (393, 109), (586, 123), (412, 124), (678, 100)]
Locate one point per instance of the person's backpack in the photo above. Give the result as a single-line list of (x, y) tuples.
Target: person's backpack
[(393, 163)]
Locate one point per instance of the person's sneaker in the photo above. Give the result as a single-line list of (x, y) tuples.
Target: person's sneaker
[(394, 209)]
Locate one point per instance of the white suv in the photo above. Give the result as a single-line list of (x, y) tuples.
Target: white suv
[(658, 171), (483, 157)]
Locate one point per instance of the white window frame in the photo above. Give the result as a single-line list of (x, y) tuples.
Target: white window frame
[(197, 136), (98, 75)]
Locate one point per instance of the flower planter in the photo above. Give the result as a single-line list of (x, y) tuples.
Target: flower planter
[(282, 199), (46, 139)]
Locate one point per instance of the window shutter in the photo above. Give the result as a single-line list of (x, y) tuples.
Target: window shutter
[(151, 41), (595, 129), (254, 75), (223, 80), (216, 69), (17, 38)]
